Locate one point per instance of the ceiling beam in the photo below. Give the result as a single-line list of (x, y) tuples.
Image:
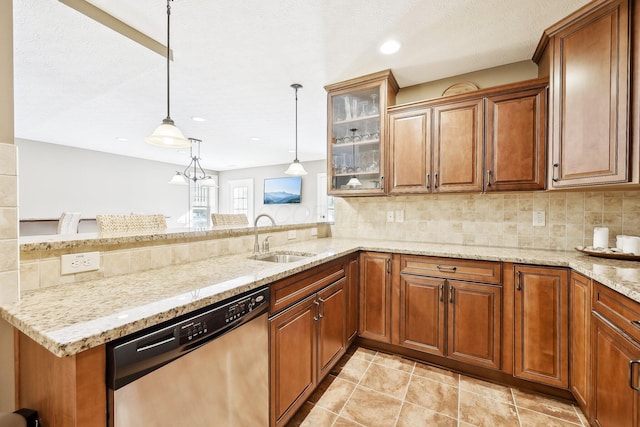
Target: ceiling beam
[(117, 25)]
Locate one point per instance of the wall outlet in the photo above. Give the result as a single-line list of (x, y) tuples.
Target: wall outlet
[(539, 218), (314, 231), (400, 215), (389, 216), (78, 263), (291, 234)]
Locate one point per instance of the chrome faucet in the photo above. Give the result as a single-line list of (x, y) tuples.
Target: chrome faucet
[(256, 246)]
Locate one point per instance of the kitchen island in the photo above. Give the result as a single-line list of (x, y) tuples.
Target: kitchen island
[(67, 326)]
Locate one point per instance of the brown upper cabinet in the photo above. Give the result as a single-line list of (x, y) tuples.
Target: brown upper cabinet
[(357, 116), (516, 138), (438, 146), (593, 127)]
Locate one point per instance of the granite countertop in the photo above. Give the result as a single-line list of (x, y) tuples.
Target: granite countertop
[(68, 319)]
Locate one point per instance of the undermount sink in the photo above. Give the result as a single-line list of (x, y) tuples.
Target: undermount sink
[(282, 256)]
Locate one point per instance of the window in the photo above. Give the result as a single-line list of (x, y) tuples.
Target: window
[(200, 206), (241, 197)]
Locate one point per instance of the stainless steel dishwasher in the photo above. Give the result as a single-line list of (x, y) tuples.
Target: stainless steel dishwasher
[(207, 368)]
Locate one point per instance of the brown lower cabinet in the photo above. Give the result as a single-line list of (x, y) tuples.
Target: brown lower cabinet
[(615, 358), (580, 336), (541, 338), (451, 318), (305, 342), (375, 296), (353, 280)]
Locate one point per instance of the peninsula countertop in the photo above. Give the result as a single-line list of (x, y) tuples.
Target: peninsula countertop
[(67, 319)]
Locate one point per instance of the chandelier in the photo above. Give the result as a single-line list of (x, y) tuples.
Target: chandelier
[(194, 172)]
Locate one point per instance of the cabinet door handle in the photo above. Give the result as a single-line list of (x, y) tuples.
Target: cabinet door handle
[(435, 178), (321, 312), (489, 178), (451, 291), (441, 293), (317, 316), (447, 268), (518, 282), (388, 265), (555, 168), (428, 181), (631, 374)]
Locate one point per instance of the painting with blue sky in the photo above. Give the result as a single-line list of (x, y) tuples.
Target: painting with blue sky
[(282, 190)]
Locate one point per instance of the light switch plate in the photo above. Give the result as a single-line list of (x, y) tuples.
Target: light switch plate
[(399, 215), (79, 263), (389, 216), (539, 219), (291, 234), (314, 231)]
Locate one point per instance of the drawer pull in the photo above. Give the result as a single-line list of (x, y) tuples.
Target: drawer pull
[(636, 323), (447, 268), (316, 317), (631, 374)]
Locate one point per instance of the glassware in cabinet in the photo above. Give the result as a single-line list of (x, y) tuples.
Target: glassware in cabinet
[(357, 115)]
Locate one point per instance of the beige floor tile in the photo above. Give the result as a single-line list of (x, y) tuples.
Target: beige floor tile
[(413, 416), (582, 416), (343, 422), (332, 393), (395, 362), (312, 416), (482, 411), (536, 419), (372, 409), (386, 380), (362, 353), (546, 406), (486, 389), (433, 395), (351, 369), (436, 374)]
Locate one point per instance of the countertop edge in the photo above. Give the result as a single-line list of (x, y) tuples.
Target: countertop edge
[(55, 339)]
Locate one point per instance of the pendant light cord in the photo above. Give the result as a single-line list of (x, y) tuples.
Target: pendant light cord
[(168, 55), (296, 86)]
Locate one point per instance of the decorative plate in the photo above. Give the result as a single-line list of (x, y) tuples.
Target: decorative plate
[(612, 253), (458, 88)]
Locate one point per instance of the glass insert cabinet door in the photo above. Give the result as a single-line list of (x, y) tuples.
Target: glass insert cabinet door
[(356, 146)]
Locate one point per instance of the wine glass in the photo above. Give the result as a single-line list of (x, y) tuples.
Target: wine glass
[(374, 104)]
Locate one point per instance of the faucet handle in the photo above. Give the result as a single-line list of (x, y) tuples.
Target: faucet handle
[(265, 244)]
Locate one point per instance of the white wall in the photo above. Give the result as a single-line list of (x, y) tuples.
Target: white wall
[(306, 211), (56, 178)]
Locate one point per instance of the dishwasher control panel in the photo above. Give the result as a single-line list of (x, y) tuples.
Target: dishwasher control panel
[(222, 317)]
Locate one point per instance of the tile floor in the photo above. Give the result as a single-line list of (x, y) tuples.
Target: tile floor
[(374, 389)]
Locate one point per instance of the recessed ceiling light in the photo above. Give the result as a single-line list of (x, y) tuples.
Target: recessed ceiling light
[(198, 119), (122, 139), (254, 138), (292, 151), (389, 47)]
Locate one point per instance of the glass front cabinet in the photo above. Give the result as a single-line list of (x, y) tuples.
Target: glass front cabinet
[(357, 112)]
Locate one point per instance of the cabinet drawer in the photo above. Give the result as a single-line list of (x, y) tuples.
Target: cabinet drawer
[(293, 289), (618, 309), (460, 269)]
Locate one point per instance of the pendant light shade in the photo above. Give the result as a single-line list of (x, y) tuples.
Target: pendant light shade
[(354, 182), (167, 134), (296, 168)]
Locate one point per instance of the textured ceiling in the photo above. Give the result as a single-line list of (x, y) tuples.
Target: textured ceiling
[(81, 84)]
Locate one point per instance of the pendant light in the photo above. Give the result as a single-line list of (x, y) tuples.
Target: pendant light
[(194, 171), (167, 134), (354, 181), (295, 168)]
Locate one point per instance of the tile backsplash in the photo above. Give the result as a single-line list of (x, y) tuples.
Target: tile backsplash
[(504, 220)]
